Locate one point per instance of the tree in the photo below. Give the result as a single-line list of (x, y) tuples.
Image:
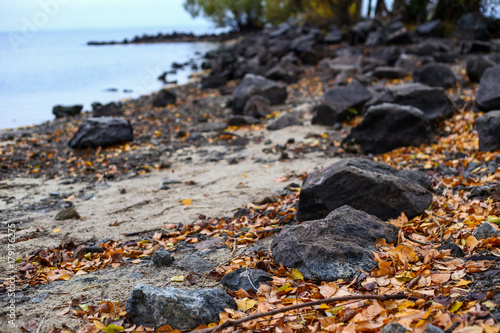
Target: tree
[(242, 15)]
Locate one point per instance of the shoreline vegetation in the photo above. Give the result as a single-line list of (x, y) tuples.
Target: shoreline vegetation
[(357, 170)]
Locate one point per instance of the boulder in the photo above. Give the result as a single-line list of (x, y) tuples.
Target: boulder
[(360, 32), (258, 107), (430, 100), (283, 72), (339, 246), (108, 110), (485, 231), (488, 130), (151, 306), (476, 65), (162, 258), (475, 46), (163, 98), (284, 120), (334, 37), (428, 47), (239, 120), (375, 188), (389, 54), (388, 126), (67, 214), (337, 103), (66, 111), (434, 28), (257, 85), (488, 92), (409, 62), (471, 26), (101, 132), (215, 80), (248, 279), (435, 75), (399, 36), (386, 72)]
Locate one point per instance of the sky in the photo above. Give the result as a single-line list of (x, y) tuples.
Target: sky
[(19, 15)]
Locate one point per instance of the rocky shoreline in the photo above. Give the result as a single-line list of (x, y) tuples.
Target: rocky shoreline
[(175, 37), (304, 166)]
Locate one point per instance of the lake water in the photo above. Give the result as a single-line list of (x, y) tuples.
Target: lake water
[(57, 67)]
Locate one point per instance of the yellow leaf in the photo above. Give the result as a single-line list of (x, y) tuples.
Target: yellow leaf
[(455, 307), (99, 325), (324, 306), (245, 304), (463, 282), (334, 310), (113, 329), (65, 277), (284, 287), (244, 175), (178, 278), (88, 256), (84, 307), (187, 202), (296, 274), (494, 219), (56, 230), (490, 305)]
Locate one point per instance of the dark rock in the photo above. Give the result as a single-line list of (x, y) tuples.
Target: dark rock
[(435, 75), (215, 80), (476, 65), (334, 37), (389, 126), (162, 258), (108, 110), (488, 130), (471, 26), (66, 111), (336, 103), (337, 247), (375, 188), (242, 120), (386, 72), (409, 62), (101, 132), (287, 73), (360, 32), (486, 191), (284, 120), (488, 92), (475, 46), (428, 47), (257, 85), (193, 263), (400, 36), (246, 279), (389, 54), (456, 251), (434, 28), (163, 98), (67, 214), (394, 328), (433, 329), (430, 100), (181, 309), (485, 231), (258, 107)]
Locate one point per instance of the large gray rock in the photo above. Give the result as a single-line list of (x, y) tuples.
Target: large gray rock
[(488, 92), (375, 188), (195, 264), (476, 65), (66, 111), (337, 103), (257, 85), (488, 130), (284, 120), (435, 75), (107, 110), (434, 28), (388, 126), (337, 247), (101, 132), (181, 309), (430, 100), (471, 26), (258, 107), (485, 231)]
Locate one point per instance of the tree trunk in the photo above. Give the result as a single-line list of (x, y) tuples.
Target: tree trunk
[(369, 13), (381, 9), (451, 10)]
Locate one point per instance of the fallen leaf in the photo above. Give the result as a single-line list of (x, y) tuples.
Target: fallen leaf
[(296, 274), (187, 202), (245, 304)]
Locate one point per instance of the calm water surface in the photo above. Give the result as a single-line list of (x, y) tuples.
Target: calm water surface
[(57, 67)]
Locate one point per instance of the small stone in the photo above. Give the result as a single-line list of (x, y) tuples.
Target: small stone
[(393, 328), (485, 231), (433, 329), (456, 251), (162, 258), (67, 214), (193, 263), (246, 279)]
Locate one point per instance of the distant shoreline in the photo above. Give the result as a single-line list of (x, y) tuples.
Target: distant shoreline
[(175, 37)]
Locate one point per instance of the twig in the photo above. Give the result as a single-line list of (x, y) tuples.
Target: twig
[(41, 323), (440, 229), (413, 282), (444, 218), (139, 204), (165, 209), (137, 233), (237, 322), (417, 241), (234, 249)]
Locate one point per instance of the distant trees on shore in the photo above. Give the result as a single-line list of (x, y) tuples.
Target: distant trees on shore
[(248, 15)]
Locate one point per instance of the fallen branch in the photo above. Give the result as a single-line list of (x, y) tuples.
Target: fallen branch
[(233, 323), (137, 233), (443, 218)]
